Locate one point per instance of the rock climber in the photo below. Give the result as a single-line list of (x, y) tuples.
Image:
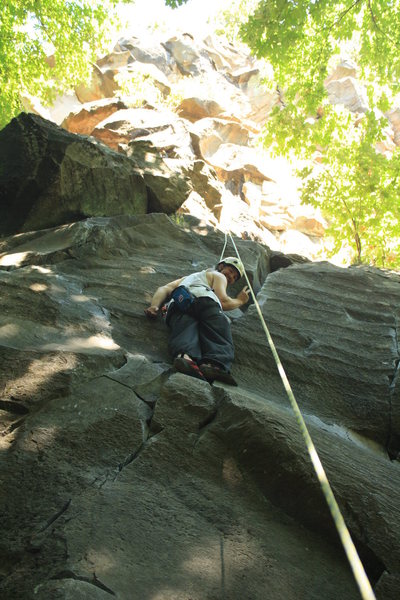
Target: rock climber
[(200, 340)]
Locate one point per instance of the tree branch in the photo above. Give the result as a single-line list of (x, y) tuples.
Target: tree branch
[(378, 28), (352, 219), (344, 13)]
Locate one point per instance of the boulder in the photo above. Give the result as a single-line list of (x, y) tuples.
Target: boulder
[(293, 241), (204, 181), (84, 119), (145, 71), (195, 109), (226, 56), (309, 226), (115, 60), (236, 216), (279, 260), (147, 51), (394, 120), (162, 128), (309, 357), (167, 179), (126, 60), (349, 92), (208, 134), (186, 55), (225, 146), (307, 219), (242, 76), (50, 176), (276, 222), (261, 101), (252, 194), (195, 206), (345, 68), (101, 85)]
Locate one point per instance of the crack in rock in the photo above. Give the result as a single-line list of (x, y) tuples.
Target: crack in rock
[(130, 458), (91, 580), (120, 382), (207, 421), (56, 516), (219, 394), (393, 440), (12, 427), (13, 407)]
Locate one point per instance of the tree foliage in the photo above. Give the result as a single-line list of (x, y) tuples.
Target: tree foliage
[(359, 191), (300, 38), (229, 20), (74, 31), (358, 188), (175, 3)]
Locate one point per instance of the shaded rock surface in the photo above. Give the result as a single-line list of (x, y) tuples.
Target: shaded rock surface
[(142, 483), (49, 177)]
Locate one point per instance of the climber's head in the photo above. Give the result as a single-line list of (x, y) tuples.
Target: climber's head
[(232, 268)]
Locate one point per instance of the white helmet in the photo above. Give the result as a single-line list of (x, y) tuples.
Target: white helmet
[(232, 261)]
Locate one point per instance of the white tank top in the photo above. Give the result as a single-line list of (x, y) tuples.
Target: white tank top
[(198, 284)]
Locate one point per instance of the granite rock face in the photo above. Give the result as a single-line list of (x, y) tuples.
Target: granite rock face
[(120, 477)]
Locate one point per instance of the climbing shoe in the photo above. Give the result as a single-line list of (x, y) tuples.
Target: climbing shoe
[(188, 367), (214, 373)]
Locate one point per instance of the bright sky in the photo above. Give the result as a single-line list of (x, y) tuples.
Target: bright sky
[(192, 16)]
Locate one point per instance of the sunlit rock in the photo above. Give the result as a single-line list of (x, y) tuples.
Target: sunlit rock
[(345, 68), (196, 207), (115, 60), (296, 242), (146, 50), (226, 56), (167, 132), (195, 109), (276, 222), (101, 85), (84, 119), (186, 55), (260, 99), (394, 119), (61, 107), (137, 73), (349, 92)]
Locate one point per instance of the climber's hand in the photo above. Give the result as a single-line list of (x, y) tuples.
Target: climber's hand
[(151, 312), (243, 295)]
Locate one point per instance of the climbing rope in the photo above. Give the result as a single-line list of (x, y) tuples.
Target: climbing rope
[(223, 249), (344, 534)]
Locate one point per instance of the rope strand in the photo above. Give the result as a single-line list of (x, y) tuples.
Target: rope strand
[(344, 534), (223, 249)]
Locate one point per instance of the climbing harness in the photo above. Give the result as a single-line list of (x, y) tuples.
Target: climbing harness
[(344, 534)]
